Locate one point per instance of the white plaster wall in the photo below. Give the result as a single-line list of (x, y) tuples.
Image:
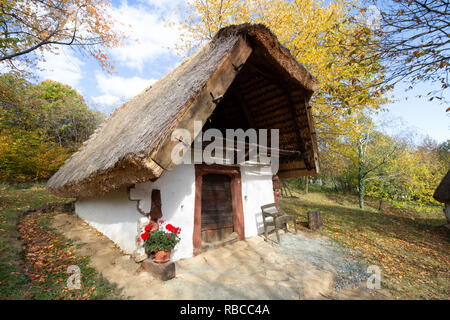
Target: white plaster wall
[(116, 216), (257, 190), (177, 204), (113, 215)]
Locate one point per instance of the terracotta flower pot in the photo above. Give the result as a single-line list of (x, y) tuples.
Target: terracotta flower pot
[(162, 256)]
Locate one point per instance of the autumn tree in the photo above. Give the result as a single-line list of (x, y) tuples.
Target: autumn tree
[(428, 165), (365, 158), (30, 28), (384, 167), (64, 117), (414, 41), (376, 154), (40, 126), (443, 150), (327, 37)]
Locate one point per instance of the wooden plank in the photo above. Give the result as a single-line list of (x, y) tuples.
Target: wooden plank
[(202, 107), (216, 235), (270, 104), (313, 136), (283, 86), (262, 93), (295, 173), (156, 212), (214, 227), (238, 210), (292, 165), (196, 236), (216, 200), (297, 125), (242, 103)]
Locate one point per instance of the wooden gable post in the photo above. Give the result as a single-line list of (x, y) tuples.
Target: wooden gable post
[(205, 103)]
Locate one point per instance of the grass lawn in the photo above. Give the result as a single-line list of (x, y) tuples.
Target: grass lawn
[(409, 244), (39, 269)]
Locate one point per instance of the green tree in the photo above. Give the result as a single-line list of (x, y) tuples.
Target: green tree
[(64, 117), (40, 126), (443, 151)]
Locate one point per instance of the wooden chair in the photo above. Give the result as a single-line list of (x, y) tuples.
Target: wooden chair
[(274, 216)]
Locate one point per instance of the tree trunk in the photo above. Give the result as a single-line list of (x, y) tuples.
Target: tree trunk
[(306, 184), (361, 178)]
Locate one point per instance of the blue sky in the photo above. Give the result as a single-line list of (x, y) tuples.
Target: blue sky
[(149, 54), (419, 115)]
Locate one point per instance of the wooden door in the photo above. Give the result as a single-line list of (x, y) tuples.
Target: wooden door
[(217, 208)]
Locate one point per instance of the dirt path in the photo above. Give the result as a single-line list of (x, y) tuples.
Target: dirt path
[(251, 269)]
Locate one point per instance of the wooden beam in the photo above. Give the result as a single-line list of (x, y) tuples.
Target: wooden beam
[(295, 173), (156, 212), (301, 142), (202, 107), (282, 86), (196, 235), (238, 96), (313, 136), (292, 154)]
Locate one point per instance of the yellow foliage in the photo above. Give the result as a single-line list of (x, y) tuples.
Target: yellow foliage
[(324, 36), (26, 156)]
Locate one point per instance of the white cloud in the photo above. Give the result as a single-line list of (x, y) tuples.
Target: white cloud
[(116, 89), (63, 67), (107, 100), (161, 3), (149, 35)]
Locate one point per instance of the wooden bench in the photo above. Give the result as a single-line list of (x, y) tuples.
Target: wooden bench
[(274, 216)]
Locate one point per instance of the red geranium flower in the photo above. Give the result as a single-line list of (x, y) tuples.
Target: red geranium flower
[(144, 236), (170, 227)]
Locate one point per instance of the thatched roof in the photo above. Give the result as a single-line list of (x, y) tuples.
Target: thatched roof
[(442, 192), (129, 147)]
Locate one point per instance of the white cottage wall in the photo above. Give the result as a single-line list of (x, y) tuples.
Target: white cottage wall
[(113, 215), (177, 205), (257, 190), (116, 216)]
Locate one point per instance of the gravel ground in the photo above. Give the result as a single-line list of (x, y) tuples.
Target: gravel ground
[(304, 266), (326, 255)]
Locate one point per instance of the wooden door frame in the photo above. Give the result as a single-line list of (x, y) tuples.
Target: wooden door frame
[(236, 200)]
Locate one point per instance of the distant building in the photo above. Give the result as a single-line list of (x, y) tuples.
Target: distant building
[(442, 194)]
